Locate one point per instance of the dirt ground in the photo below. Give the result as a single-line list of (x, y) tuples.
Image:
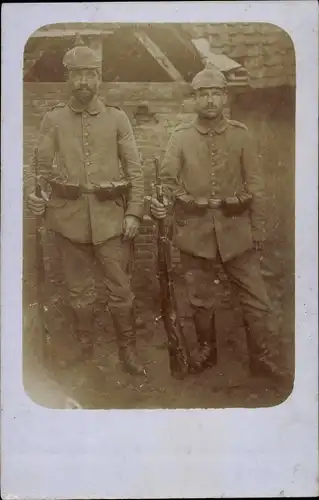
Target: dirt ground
[(101, 383)]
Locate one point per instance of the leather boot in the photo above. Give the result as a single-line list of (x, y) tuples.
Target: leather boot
[(84, 327), (206, 335), (124, 323), (264, 361)]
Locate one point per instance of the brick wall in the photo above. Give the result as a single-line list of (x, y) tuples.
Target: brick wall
[(170, 104)]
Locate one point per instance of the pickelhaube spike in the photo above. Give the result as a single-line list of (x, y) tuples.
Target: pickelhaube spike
[(78, 42), (209, 64), (210, 76), (81, 56)]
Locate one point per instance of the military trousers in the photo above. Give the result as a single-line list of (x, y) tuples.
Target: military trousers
[(245, 276), (112, 257)]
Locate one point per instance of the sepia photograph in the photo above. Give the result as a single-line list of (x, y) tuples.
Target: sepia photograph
[(159, 210), (159, 215)]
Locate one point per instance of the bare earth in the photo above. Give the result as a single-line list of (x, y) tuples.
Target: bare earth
[(102, 383)]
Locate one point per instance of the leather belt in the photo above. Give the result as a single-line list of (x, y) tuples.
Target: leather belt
[(85, 190), (73, 192), (209, 203), (214, 203)]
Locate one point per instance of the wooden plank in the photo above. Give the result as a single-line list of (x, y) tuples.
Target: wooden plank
[(183, 38), (69, 32), (221, 61), (161, 58)]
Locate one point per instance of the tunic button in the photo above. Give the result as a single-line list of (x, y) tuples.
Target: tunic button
[(87, 153)]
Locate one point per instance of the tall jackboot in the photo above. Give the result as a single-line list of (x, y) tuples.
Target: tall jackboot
[(204, 322), (84, 330), (124, 323), (263, 360)]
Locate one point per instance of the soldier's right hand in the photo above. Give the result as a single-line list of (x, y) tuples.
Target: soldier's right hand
[(159, 210), (35, 204)]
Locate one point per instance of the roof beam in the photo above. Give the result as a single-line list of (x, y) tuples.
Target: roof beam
[(183, 37), (69, 32), (158, 55)]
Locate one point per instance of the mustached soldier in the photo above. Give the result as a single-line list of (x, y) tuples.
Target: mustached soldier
[(86, 152), (213, 182)]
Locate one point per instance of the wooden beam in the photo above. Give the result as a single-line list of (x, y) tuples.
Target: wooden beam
[(161, 58), (69, 32), (182, 37)]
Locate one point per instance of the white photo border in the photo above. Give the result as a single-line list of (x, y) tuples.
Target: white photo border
[(62, 454)]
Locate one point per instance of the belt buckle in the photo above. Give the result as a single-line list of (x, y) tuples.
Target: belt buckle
[(86, 190), (214, 203)]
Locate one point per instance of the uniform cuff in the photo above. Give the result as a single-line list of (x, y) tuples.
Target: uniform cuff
[(135, 210)]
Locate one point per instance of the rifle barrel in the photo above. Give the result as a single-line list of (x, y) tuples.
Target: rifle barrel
[(179, 356), (159, 187), (159, 196), (40, 265)]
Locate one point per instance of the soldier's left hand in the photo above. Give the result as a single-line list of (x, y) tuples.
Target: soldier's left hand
[(258, 245), (130, 227)]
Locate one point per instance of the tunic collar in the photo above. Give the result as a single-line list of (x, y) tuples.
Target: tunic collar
[(94, 107), (205, 126)]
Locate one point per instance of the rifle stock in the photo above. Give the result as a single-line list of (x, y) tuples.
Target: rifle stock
[(40, 270), (179, 355)]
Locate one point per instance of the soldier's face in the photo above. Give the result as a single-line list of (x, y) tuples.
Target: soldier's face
[(210, 102), (84, 84)]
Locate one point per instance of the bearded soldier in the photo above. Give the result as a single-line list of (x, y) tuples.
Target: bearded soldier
[(214, 184), (86, 153)]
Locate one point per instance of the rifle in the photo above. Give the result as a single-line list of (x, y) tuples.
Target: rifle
[(40, 269), (179, 355)]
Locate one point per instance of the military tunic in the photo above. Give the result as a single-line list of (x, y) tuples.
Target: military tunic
[(214, 164), (220, 163), (88, 147), (214, 159), (85, 150)]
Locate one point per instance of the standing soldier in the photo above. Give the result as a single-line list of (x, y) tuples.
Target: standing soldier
[(213, 182), (87, 154)]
